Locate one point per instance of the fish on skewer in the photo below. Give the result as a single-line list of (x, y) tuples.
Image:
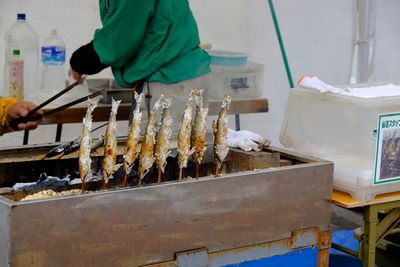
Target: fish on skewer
[(220, 130), (185, 129), (162, 138), (110, 149), (84, 149), (146, 153), (199, 130), (131, 153)]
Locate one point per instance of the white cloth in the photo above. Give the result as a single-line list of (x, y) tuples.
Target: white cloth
[(246, 140), (362, 92)]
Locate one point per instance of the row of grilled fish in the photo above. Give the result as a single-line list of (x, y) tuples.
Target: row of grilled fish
[(155, 144)]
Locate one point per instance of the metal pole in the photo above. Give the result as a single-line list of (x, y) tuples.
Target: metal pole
[(363, 42), (278, 33)]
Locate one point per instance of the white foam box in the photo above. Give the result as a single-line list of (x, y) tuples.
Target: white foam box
[(237, 81), (342, 129)]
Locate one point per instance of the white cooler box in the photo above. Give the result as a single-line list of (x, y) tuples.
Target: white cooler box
[(237, 81), (348, 131)]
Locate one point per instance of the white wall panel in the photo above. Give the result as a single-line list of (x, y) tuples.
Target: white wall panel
[(317, 35)]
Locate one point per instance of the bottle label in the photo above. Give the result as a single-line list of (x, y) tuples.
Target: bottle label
[(53, 55), (16, 89)]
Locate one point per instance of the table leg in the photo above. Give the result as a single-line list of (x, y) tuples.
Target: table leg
[(369, 238), (58, 132)]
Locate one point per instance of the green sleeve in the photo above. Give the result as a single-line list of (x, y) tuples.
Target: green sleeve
[(124, 26)]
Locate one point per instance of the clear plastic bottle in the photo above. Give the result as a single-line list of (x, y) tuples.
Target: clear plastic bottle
[(16, 70), (53, 59), (21, 36)]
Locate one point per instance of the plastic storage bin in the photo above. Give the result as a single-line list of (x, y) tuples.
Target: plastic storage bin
[(342, 129), (237, 81)]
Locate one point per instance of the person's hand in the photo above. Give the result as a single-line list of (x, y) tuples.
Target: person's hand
[(74, 74), (21, 109), (246, 140)]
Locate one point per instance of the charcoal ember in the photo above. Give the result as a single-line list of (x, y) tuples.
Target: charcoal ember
[(47, 183), (43, 176)]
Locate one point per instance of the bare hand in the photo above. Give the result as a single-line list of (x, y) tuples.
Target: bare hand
[(74, 74), (21, 109)]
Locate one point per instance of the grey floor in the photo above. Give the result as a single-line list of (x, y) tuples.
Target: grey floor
[(344, 219)]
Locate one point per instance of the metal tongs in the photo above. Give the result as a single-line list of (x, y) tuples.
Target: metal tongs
[(31, 117)]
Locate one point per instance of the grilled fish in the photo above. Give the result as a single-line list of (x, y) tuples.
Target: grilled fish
[(84, 149), (199, 129), (162, 139), (110, 149), (133, 136), (146, 153), (185, 128), (220, 130)]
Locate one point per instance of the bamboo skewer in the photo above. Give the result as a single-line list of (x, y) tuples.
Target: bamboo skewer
[(197, 170), (125, 179), (159, 175), (180, 174)]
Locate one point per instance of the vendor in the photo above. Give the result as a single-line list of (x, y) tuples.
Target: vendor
[(152, 40), (11, 110)]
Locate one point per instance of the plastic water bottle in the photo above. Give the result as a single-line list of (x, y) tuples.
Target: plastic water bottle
[(53, 59), (21, 36)]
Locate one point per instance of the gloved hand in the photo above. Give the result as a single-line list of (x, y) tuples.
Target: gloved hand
[(246, 140)]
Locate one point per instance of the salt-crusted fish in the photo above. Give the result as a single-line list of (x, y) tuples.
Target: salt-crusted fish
[(185, 129), (131, 153), (110, 148), (84, 149), (162, 139), (199, 130), (146, 153), (220, 130)]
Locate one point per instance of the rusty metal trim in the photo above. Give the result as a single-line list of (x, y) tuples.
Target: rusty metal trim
[(302, 238), (324, 244)]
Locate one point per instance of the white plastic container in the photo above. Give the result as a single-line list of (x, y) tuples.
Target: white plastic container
[(342, 129), (53, 59), (21, 36), (237, 81)]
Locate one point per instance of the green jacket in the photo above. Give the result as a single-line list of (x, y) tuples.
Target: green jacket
[(153, 39)]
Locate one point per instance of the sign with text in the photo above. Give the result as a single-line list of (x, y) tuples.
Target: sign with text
[(387, 159)]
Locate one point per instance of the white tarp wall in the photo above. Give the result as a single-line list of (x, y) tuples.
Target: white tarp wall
[(317, 35)]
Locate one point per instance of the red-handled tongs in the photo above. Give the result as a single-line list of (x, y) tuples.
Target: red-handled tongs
[(31, 117)]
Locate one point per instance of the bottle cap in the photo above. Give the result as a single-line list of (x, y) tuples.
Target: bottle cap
[(53, 32), (21, 16), (16, 52)]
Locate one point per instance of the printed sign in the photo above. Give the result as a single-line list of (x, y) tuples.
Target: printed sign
[(387, 159)]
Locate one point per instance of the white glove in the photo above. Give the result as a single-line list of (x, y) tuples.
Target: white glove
[(246, 140)]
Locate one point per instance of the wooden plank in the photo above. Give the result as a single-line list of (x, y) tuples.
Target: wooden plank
[(75, 115), (345, 200), (102, 112), (240, 106)]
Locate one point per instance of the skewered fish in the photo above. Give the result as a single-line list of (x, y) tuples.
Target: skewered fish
[(220, 130), (84, 150), (185, 128), (199, 130), (162, 139), (110, 149), (131, 153), (149, 139)]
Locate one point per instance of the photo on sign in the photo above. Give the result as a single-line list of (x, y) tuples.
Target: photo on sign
[(387, 167)]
